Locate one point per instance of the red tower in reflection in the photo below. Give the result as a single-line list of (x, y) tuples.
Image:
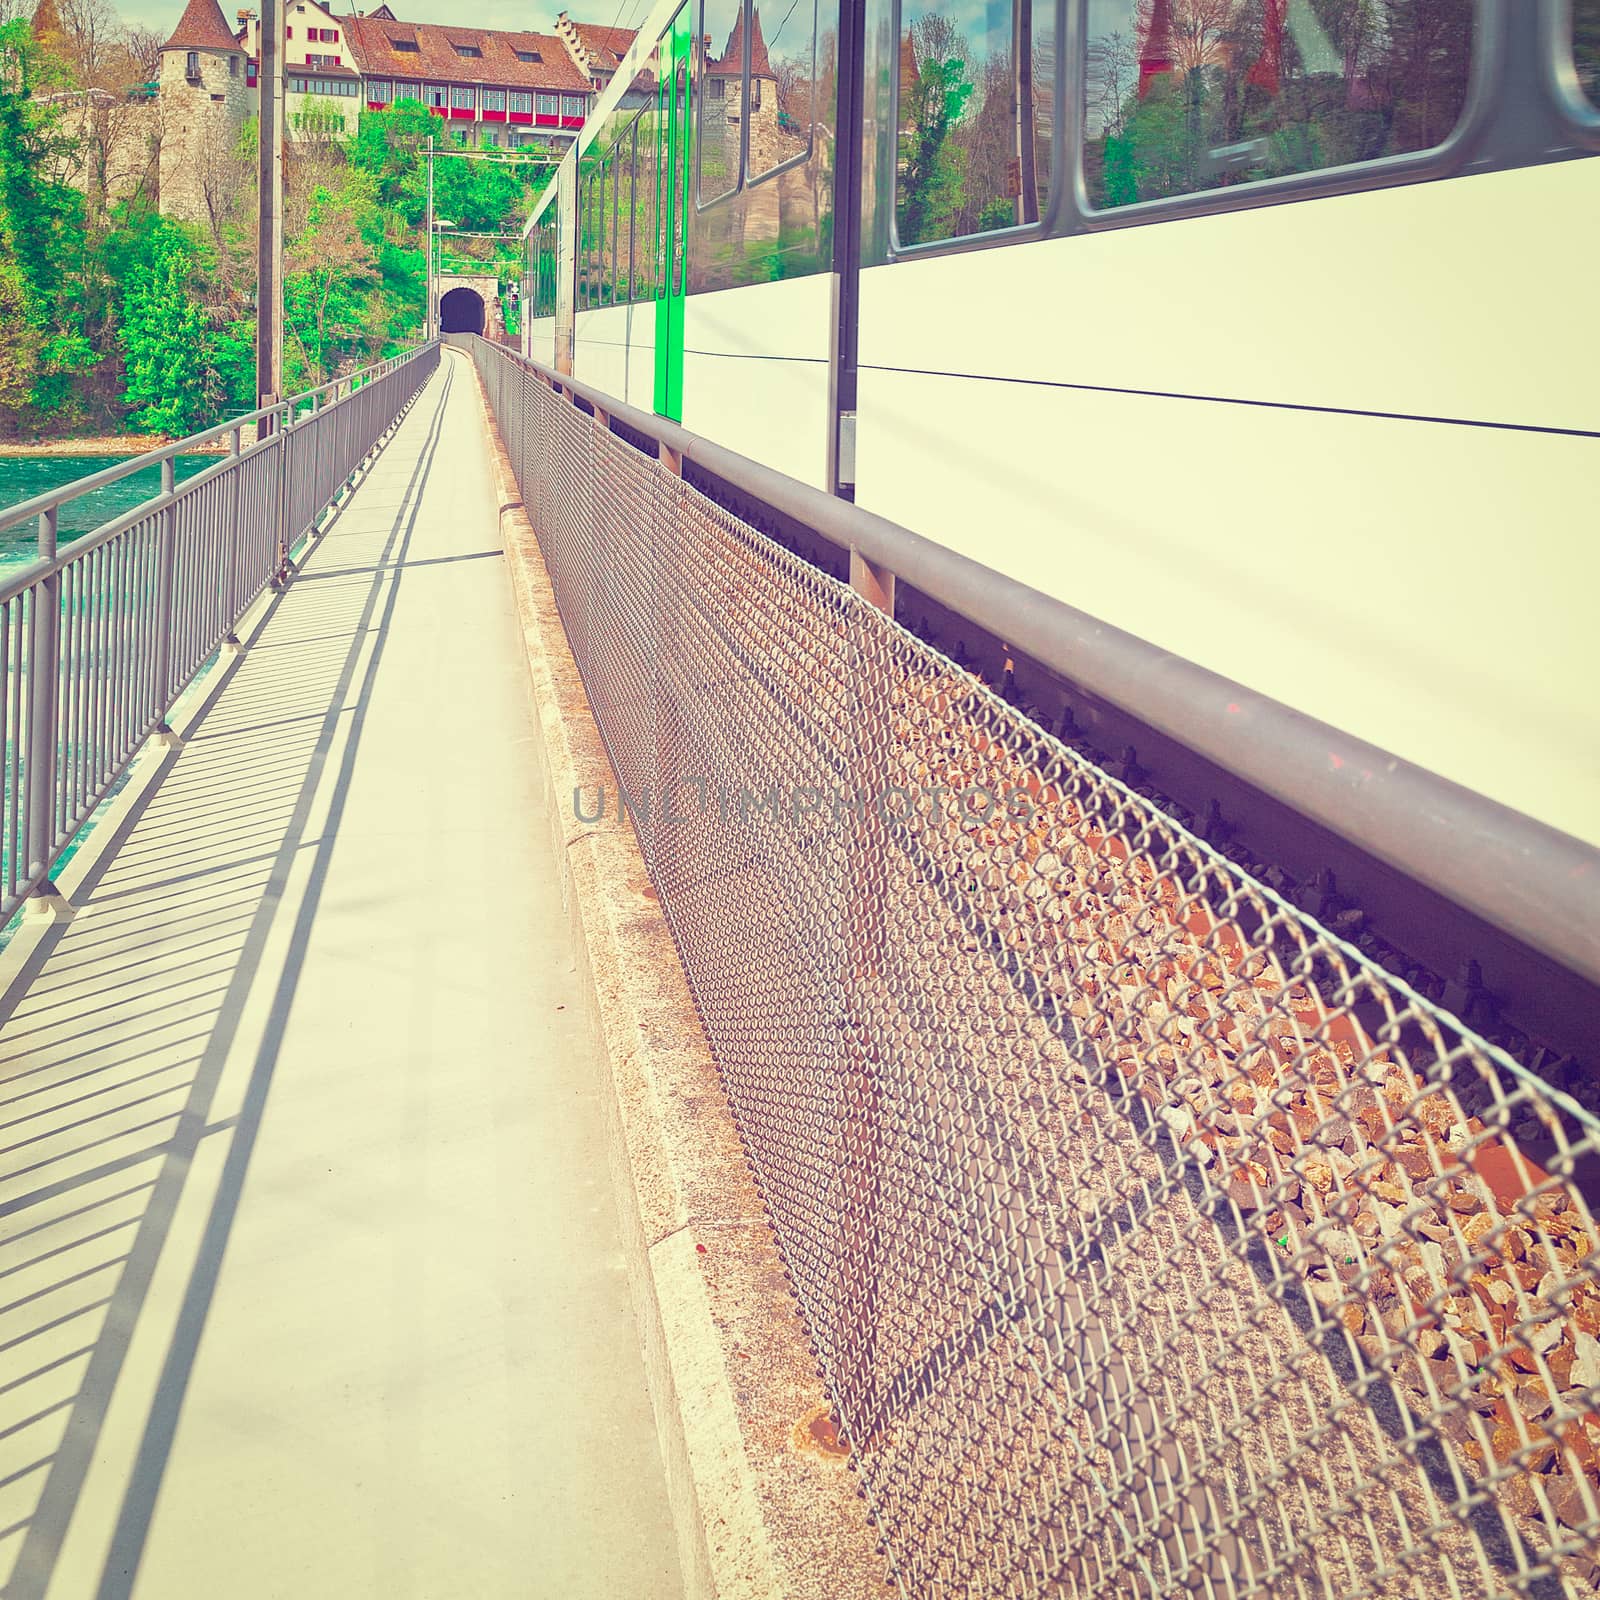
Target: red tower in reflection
[(1264, 74), (1155, 49)]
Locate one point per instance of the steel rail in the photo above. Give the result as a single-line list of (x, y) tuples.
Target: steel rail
[(1531, 881), (98, 639), (27, 510)]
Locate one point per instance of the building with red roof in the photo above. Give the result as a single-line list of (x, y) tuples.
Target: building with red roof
[(490, 87)]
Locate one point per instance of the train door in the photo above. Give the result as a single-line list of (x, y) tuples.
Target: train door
[(672, 229)]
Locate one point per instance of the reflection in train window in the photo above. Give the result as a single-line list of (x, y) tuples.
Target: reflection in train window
[(974, 145), (1189, 95), (783, 89), (721, 113), (1586, 47)]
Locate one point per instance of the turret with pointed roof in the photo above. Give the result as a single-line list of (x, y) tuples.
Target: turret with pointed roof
[(204, 96), (1155, 49), (202, 27), (732, 61)]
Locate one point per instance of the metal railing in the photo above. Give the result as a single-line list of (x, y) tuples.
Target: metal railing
[(1151, 1239), (99, 638)]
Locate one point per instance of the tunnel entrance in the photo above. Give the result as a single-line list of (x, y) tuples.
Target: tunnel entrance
[(461, 311)]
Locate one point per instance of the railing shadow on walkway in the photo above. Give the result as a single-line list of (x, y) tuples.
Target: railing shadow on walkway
[(114, 1035)]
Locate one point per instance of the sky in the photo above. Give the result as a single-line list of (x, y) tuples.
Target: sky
[(536, 15)]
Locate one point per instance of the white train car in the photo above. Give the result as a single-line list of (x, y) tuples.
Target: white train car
[(1262, 329)]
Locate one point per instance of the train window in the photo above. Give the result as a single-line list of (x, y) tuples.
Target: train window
[(588, 228), (616, 241), (1184, 96), (783, 89), (721, 117), (1586, 47), (974, 131), (599, 233), (645, 184)]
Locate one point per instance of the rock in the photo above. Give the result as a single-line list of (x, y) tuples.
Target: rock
[(1417, 1162), (1532, 1399), (1585, 1360), (1543, 1337), (1568, 1498)]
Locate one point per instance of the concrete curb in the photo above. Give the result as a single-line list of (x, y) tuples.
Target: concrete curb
[(761, 1507)]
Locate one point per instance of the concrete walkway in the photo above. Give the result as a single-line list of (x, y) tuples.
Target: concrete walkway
[(310, 1277)]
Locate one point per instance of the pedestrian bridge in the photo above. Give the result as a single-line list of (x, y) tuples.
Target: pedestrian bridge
[(990, 1190)]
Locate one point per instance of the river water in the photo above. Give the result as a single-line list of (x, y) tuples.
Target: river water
[(22, 477)]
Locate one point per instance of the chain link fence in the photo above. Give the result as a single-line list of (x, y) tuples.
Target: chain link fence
[(1150, 1239)]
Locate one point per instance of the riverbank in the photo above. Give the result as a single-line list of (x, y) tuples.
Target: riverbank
[(106, 444)]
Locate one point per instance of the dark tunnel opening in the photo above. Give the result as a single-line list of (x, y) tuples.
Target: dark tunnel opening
[(461, 311)]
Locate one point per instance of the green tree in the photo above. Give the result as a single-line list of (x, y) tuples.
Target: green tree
[(43, 345), (330, 271), (165, 336), (933, 172), (19, 339)]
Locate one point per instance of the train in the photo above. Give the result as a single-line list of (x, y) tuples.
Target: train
[(1265, 330)]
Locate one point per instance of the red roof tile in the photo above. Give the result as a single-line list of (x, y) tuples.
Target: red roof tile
[(731, 64), (202, 27), (607, 45), (436, 60)]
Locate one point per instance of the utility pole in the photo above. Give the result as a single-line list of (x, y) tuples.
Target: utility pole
[(427, 327), (269, 240)]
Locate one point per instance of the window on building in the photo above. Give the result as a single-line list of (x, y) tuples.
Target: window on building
[(521, 101), (963, 169), (297, 86), (1586, 47), (494, 99), (549, 105), (461, 98), (436, 95), (405, 47), (380, 91), (491, 136), (717, 88), (288, 33), (233, 66), (529, 55), (572, 105), (468, 50), (191, 67), (1182, 99)]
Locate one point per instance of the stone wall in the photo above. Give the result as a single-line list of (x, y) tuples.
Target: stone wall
[(116, 141), (770, 147)]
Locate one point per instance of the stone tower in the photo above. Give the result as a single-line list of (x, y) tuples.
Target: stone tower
[(204, 100)]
